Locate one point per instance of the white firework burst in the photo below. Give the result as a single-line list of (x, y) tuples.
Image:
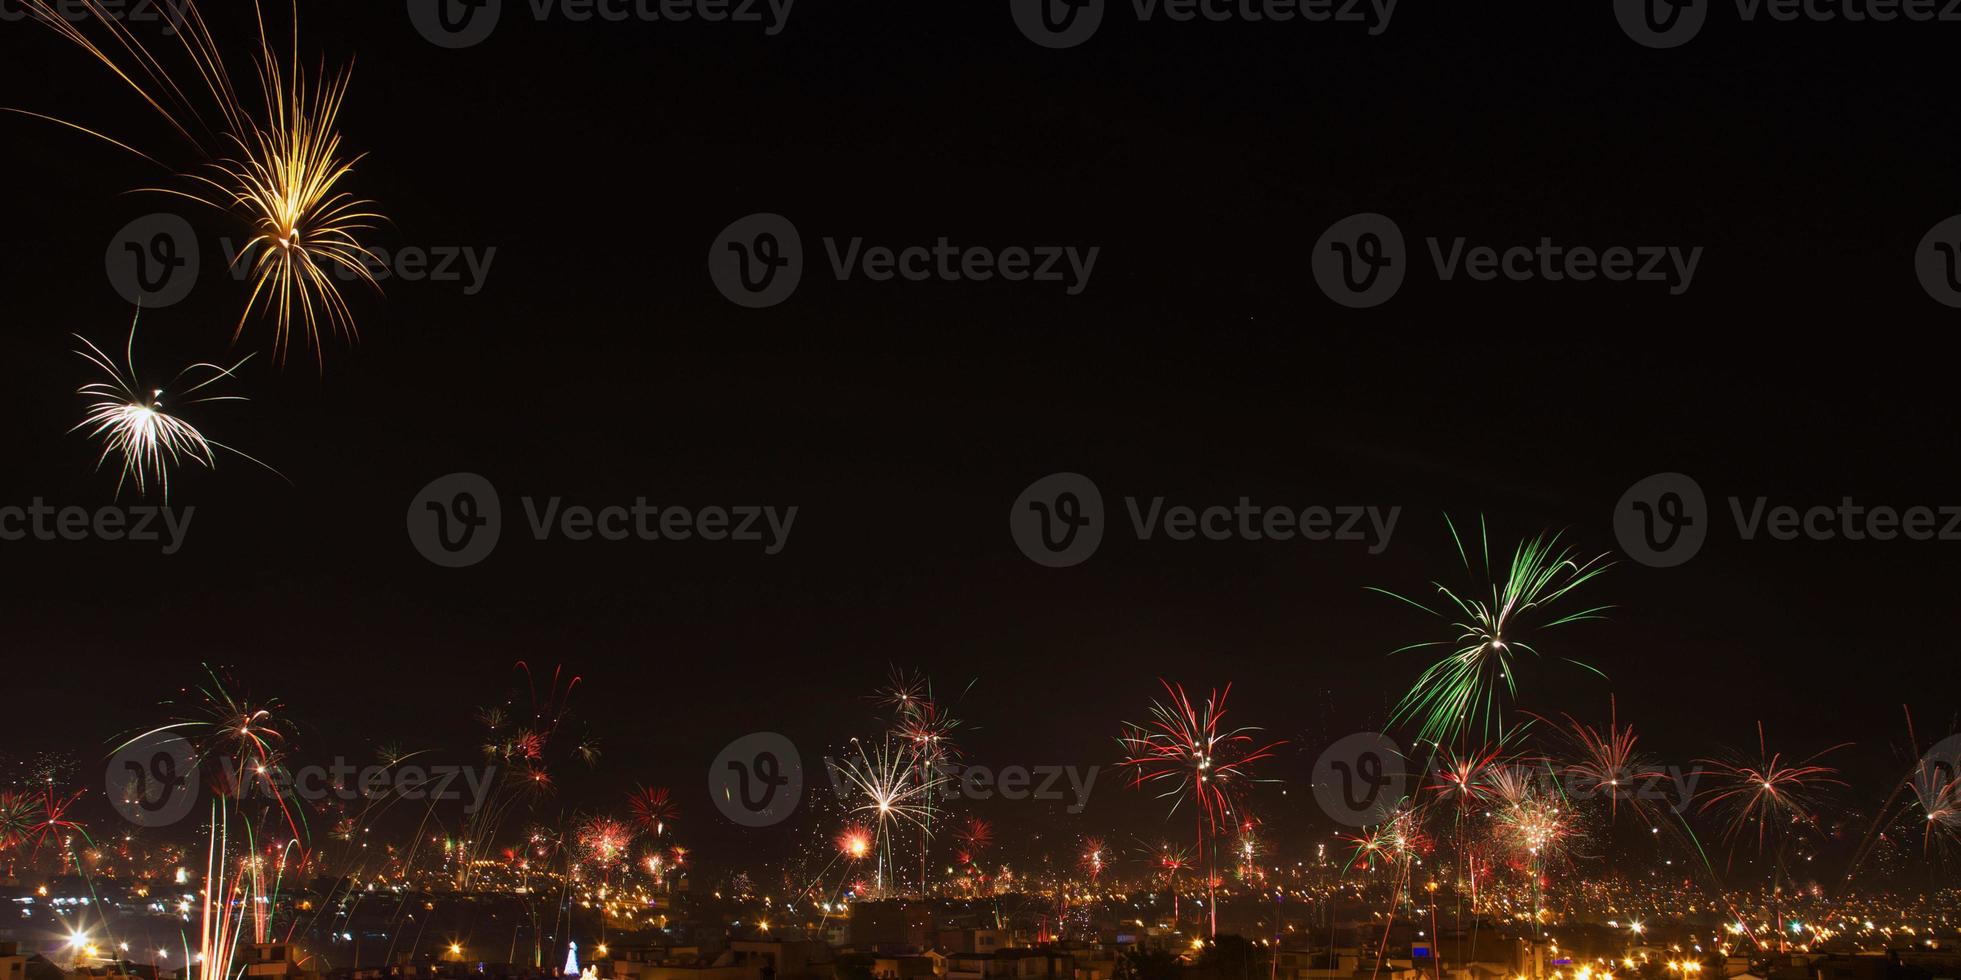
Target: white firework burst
[(131, 422)]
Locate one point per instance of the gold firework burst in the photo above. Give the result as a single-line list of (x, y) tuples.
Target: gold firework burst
[(280, 169)]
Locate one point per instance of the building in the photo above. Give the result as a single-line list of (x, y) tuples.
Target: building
[(902, 967), (13, 966), (272, 961), (742, 960), (971, 940)]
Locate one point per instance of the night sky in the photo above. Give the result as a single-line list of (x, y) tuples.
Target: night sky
[(1202, 363)]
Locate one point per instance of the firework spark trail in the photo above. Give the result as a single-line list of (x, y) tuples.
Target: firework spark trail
[(927, 728), (220, 927), (1396, 843), (279, 170), (653, 809), (1607, 762), (1188, 749), (243, 740), (16, 819), (1927, 798), (137, 428), (897, 790), (527, 749), (1764, 790), (1468, 686), (1094, 859)]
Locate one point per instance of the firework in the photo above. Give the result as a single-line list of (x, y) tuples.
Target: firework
[(1467, 687), (1539, 830), (653, 808), (604, 841), (1764, 790), (902, 691), (48, 822), (134, 426), (855, 842), (1094, 858), (1395, 843), (278, 167), (16, 819), (1606, 763), (974, 836), (896, 791), (527, 743), (926, 729), (1188, 750), (1464, 779), (1936, 790), (242, 742)]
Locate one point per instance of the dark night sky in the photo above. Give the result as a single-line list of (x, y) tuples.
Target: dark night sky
[(599, 363)]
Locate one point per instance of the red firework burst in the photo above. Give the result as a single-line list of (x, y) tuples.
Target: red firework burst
[(1766, 791), (975, 835), (855, 841), (1095, 857), (653, 809), (604, 841), (1187, 749), (1606, 763)]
